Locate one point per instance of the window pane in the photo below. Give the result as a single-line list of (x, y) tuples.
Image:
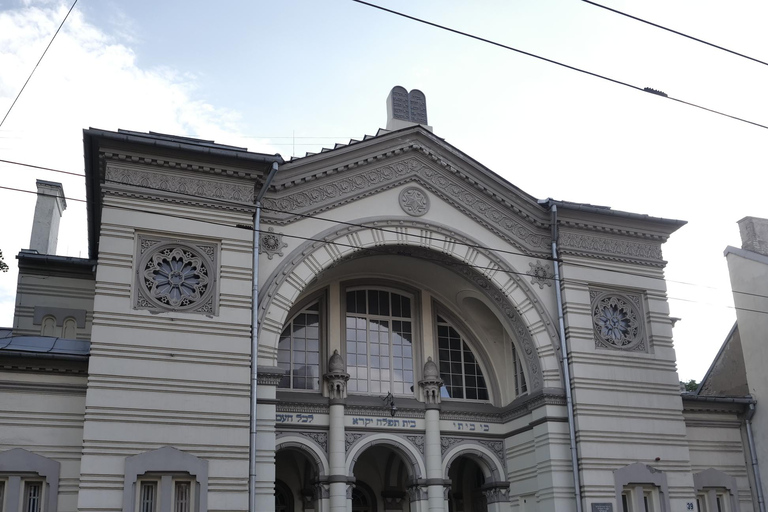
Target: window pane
[(32, 496), (182, 498), (459, 369), (147, 496)]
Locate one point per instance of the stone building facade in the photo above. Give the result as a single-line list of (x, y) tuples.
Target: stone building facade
[(409, 346)]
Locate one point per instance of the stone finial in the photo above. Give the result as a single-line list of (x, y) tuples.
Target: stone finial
[(431, 382), (336, 363), (337, 377), (406, 108), (754, 234)]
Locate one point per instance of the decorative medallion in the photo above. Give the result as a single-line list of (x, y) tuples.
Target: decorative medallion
[(617, 320), (417, 441), (271, 243), (414, 201), (541, 274), (175, 276)]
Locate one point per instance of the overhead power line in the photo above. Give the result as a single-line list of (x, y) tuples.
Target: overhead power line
[(38, 62), (354, 224), (648, 90), (641, 20), (374, 250)]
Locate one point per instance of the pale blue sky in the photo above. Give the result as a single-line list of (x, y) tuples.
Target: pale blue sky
[(256, 73)]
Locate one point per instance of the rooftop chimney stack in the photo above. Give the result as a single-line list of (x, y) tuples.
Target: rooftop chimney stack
[(754, 234), (406, 109), (45, 226)]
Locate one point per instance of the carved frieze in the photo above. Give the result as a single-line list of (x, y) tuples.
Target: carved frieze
[(622, 249), (321, 438), (180, 184)]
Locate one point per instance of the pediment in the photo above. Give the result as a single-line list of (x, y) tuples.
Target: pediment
[(308, 188)]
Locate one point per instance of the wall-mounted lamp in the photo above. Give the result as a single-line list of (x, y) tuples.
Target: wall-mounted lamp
[(391, 400)]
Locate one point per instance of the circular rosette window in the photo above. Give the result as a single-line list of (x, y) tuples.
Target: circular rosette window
[(176, 277), (617, 322)]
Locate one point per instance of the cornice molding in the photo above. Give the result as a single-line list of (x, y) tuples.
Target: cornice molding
[(170, 163)]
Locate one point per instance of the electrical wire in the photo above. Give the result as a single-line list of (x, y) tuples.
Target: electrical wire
[(38, 63), (558, 63), (675, 32), (388, 253), (425, 237)]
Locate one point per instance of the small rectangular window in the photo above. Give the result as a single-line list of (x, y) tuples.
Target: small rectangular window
[(148, 497), (2, 495), (33, 496), (625, 503), (182, 497)]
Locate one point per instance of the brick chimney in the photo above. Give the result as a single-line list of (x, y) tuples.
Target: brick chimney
[(45, 226), (754, 234)]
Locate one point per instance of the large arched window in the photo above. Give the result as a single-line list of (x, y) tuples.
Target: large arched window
[(379, 342), (459, 369), (298, 351)]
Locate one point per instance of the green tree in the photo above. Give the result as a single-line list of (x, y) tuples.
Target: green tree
[(691, 385), (3, 265)]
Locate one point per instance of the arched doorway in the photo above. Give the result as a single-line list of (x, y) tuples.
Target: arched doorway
[(296, 476), (467, 480), (381, 481)]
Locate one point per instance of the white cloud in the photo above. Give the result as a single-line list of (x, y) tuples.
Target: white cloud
[(89, 78)]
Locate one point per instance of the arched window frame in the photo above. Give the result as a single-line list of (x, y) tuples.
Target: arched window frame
[(69, 324), (481, 357), (302, 307), (48, 326), (391, 287)]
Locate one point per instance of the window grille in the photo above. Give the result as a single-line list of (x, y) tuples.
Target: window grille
[(33, 496), (379, 342), (459, 369), (298, 351), (182, 497), (148, 497)]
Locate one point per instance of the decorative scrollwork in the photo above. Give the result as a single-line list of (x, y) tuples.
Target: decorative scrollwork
[(175, 276), (617, 321)]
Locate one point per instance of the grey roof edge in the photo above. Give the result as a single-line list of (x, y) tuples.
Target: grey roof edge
[(45, 347), (606, 210), (77, 267), (743, 400), (744, 253), (717, 357), (162, 140)]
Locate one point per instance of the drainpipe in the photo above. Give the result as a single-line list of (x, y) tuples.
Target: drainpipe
[(564, 362), (753, 455), (255, 339)]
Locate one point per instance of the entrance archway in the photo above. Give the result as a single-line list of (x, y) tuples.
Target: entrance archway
[(467, 480), (381, 480), (296, 478)]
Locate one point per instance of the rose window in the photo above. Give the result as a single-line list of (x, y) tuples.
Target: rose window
[(176, 277), (617, 322)]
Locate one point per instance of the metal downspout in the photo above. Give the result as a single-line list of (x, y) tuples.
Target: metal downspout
[(255, 340), (753, 455), (564, 360)]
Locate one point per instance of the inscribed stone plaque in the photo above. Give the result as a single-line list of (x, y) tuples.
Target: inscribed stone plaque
[(602, 507)]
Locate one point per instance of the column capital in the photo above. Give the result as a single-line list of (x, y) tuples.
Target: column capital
[(269, 375), (496, 492)]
